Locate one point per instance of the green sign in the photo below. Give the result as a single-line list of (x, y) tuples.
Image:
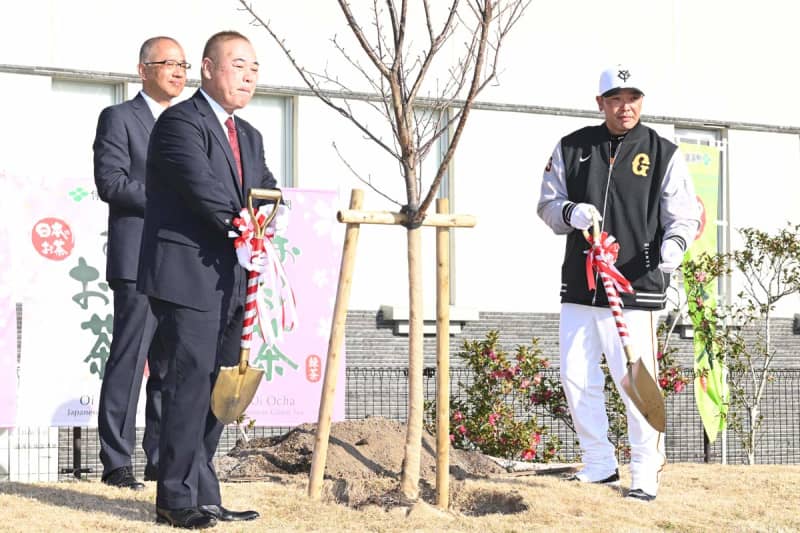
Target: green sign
[(710, 389)]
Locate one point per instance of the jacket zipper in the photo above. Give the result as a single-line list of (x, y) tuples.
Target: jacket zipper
[(605, 204)]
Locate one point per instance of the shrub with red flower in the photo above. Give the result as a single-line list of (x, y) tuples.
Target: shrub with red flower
[(495, 412)]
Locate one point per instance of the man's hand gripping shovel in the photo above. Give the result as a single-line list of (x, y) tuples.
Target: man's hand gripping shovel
[(237, 385), (637, 383)]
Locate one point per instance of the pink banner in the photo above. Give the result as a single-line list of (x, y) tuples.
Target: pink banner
[(58, 241), (8, 336), (57, 238), (294, 366)]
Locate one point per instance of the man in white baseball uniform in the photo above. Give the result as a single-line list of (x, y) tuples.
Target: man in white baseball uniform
[(637, 185)]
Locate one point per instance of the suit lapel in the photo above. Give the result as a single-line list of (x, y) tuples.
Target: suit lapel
[(221, 136), (142, 112)]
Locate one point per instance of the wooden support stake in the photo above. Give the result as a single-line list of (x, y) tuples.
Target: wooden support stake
[(334, 348), (353, 216), (442, 359)]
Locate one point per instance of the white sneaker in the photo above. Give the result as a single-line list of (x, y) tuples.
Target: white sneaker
[(582, 477)]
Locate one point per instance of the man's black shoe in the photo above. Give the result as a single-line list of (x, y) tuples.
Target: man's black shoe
[(226, 515), (150, 473), (612, 480), (123, 478), (186, 518), (639, 494)]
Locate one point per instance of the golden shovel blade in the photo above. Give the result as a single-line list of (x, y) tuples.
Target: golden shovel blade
[(643, 391), (234, 390)]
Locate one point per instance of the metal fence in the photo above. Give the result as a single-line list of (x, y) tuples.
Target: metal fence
[(49, 454)]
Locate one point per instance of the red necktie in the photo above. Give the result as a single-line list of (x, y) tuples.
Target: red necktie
[(234, 140)]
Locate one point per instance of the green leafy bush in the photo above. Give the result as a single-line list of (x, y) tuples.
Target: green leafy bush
[(494, 413)]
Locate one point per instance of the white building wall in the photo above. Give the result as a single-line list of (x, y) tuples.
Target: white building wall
[(511, 259), (764, 190), (705, 59), (712, 60)]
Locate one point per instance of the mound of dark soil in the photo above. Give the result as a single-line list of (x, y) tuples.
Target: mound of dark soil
[(357, 449), (364, 467)]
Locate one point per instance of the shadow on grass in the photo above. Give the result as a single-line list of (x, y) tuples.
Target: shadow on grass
[(62, 495)]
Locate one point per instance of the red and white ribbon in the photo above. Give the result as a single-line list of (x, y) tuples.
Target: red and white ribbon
[(600, 258), (263, 267)]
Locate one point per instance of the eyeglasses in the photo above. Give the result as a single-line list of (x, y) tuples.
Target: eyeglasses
[(171, 63)]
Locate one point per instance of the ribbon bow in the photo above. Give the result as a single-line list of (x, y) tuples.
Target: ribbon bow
[(255, 256), (601, 258)]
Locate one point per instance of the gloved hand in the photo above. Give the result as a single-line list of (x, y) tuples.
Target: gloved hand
[(280, 221), (581, 216), (671, 256)]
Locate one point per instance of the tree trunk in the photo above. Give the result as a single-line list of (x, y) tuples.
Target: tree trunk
[(409, 483), (751, 437)]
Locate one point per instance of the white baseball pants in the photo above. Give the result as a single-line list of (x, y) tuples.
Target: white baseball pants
[(585, 333)]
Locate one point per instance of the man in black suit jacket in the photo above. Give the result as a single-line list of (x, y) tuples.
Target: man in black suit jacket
[(188, 268), (120, 150)]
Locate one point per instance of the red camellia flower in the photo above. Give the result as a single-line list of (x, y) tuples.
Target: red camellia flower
[(528, 455)]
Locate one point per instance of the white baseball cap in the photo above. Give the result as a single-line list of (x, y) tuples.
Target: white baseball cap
[(619, 77)]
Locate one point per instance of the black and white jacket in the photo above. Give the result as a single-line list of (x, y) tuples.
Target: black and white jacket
[(643, 192)]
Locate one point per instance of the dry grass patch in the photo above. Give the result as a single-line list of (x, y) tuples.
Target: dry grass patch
[(693, 497), (360, 494)]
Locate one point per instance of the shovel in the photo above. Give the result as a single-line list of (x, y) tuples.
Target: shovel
[(236, 385), (637, 383)]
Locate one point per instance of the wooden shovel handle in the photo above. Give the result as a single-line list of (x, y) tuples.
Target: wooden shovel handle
[(263, 194), (595, 229)]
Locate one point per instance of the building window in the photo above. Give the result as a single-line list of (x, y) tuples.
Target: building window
[(429, 121), (273, 116), (77, 104)]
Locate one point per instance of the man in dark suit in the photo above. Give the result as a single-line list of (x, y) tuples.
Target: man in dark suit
[(120, 150), (201, 160)]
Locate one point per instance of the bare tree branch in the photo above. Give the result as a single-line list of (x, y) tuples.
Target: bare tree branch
[(367, 182), (400, 81), (435, 44), (362, 40), (475, 88), (315, 88), (484, 9)]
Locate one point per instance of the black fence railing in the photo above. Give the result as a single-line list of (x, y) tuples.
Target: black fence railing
[(382, 391)]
